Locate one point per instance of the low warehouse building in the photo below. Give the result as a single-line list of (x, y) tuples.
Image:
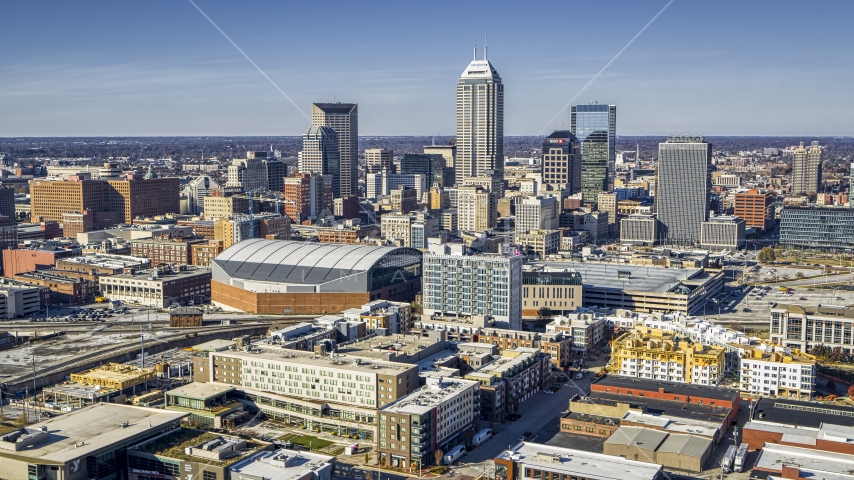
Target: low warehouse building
[(685, 452), (279, 276)]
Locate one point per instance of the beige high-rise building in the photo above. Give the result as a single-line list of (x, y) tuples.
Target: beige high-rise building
[(344, 119), (378, 160), (476, 209), (448, 152), (480, 123), (806, 169)]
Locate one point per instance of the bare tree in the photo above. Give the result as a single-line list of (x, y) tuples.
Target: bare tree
[(439, 454)]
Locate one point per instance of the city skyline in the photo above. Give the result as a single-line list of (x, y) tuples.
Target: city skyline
[(169, 72)]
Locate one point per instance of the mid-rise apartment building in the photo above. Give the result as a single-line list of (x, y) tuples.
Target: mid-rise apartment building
[(653, 354), (773, 370), (588, 330), (431, 418), (329, 394), (487, 286), (173, 251), (557, 345)]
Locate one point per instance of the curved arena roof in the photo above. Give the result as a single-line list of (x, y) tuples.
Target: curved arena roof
[(305, 263)]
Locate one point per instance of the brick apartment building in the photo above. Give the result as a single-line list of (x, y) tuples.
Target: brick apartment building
[(163, 252)]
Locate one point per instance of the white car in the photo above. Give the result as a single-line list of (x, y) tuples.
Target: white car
[(548, 392), (579, 376)]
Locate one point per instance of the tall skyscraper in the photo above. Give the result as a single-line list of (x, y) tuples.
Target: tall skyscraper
[(480, 123), (683, 187), (320, 155), (806, 169), (378, 160), (596, 128), (562, 161), (344, 119)]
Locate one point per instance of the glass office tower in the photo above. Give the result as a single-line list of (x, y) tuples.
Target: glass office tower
[(596, 128)]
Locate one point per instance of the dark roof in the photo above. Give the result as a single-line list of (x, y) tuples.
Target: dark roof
[(690, 389), (803, 414), (336, 108), (667, 408)]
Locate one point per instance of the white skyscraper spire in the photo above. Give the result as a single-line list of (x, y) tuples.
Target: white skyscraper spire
[(480, 124), (484, 47)]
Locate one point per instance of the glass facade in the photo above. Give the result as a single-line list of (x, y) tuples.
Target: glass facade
[(428, 164), (595, 128), (828, 228)]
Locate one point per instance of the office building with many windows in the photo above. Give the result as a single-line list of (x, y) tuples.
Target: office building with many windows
[(561, 165), (480, 123), (320, 155), (343, 118), (805, 326), (595, 126), (683, 188), (822, 228)]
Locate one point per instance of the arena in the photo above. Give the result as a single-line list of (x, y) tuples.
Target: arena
[(282, 277)]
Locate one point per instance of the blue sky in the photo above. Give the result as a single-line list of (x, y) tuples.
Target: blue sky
[(159, 68)]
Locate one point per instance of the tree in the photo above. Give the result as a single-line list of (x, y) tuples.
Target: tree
[(799, 275), (545, 314), (851, 391), (367, 459), (767, 255), (439, 454), (382, 461)]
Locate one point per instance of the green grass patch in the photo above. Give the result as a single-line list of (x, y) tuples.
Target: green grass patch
[(173, 445)]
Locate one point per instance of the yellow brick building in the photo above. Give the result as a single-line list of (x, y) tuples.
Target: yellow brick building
[(658, 355)]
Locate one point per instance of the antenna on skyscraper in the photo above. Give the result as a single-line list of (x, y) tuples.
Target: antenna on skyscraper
[(484, 46), (475, 47)]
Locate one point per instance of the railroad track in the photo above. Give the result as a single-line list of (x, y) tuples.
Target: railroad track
[(113, 350)]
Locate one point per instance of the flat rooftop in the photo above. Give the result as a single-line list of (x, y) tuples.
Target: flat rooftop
[(629, 383), (579, 463), (96, 426), (107, 261), (376, 347), (214, 345), (665, 408), (812, 463), (175, 443), (146, 274), (429, 396), (803, 414), (283, 464), (641, 279), (356, 363), (200, 390)]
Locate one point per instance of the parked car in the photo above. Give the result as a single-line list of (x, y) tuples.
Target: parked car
[(802, 298)]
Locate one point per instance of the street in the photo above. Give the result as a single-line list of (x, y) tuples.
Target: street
[(536, 414)]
